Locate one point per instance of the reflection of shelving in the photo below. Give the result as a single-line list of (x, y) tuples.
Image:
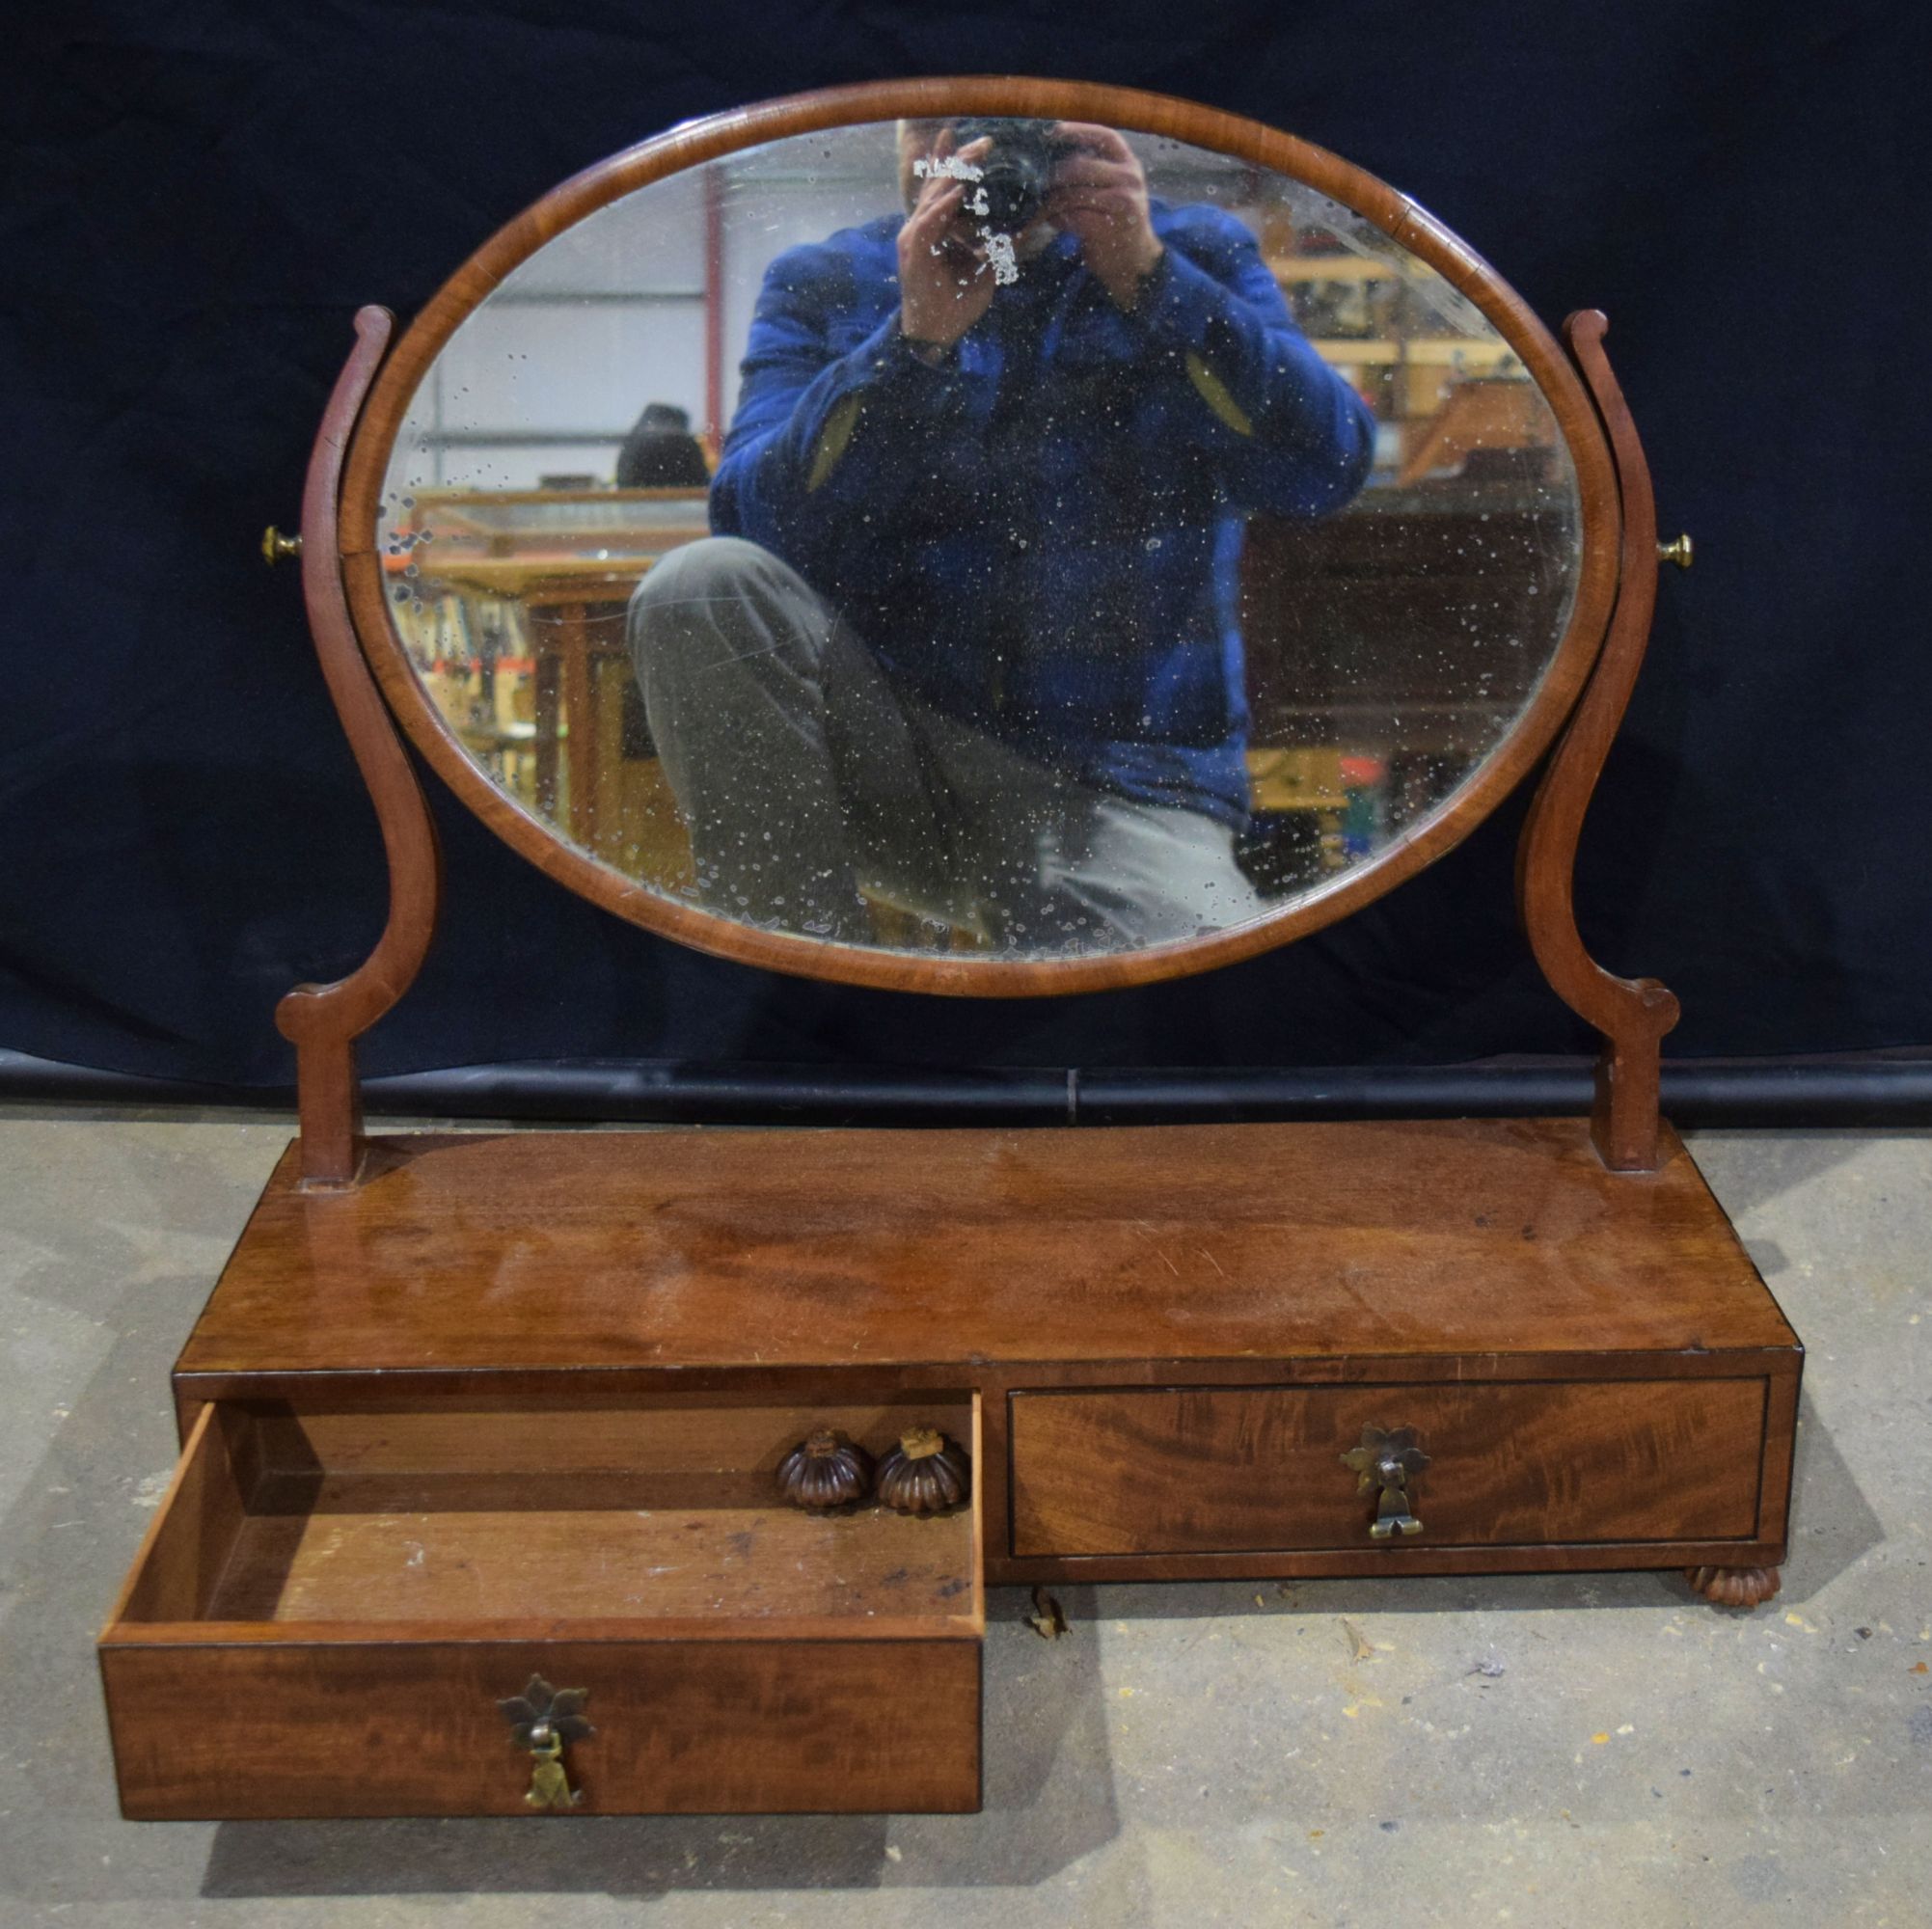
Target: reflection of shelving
[(1304, 777), (1442, 351), (1481, 415), (547, 573), (625, 522), (1290, 269), (594, 576), (442, 528), (1394, 330)]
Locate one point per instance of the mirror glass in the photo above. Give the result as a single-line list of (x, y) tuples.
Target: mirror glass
[(1007, 536)]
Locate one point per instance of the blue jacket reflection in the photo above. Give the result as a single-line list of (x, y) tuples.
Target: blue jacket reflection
[(1042, 537)]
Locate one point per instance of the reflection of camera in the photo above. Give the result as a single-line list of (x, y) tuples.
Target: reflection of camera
[(1017, 167)]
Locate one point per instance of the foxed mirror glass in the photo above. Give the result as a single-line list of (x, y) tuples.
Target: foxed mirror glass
[(1017, 538)]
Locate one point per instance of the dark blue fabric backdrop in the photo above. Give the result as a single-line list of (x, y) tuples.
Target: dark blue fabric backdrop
[(199, 196)]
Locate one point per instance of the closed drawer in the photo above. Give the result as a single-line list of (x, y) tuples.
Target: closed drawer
[(1208, 1470), (331, 1606)]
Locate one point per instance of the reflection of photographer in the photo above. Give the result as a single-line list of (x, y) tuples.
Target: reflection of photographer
[(969, 632)]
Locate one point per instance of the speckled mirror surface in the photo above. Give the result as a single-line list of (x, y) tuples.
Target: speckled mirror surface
[(1007, 537)]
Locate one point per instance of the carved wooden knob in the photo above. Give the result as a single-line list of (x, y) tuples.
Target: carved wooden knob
[(825, 1470), (926, 1472)]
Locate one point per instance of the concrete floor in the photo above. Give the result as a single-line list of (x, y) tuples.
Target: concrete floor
[(1545, 1751)]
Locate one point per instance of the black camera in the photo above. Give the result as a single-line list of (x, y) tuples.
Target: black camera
[(1017, 168)]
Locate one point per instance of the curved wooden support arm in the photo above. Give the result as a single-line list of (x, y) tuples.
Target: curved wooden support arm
[(324, 1021), (1633, 1014)]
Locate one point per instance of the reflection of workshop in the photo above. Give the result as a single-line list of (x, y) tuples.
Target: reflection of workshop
[(1387, 647), (1384, 655), (512, 603)]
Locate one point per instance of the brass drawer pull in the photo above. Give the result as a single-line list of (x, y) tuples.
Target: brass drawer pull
[(1388, 1462), (542, 1719)]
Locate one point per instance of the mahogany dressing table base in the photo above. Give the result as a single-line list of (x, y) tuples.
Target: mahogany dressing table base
[(475, 1510)]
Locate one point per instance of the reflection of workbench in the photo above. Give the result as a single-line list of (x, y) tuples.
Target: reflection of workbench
[(1417, 621), (1394, 633), (559, 567)]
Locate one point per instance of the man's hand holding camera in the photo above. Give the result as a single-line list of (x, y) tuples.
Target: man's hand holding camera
[(944, 284), (1098, 196), (1097, 192)]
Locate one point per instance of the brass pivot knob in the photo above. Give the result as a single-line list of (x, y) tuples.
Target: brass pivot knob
[(1679, 552), (275, 544)]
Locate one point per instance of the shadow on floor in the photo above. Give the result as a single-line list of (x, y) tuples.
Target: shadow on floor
[(1749, 1169)]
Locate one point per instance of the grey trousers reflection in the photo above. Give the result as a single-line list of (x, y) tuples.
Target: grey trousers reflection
[(810, 782)]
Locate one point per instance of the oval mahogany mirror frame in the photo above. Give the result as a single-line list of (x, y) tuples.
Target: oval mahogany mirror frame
[(964, 975)]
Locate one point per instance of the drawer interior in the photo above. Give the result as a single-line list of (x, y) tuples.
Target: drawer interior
[(471, 1514)]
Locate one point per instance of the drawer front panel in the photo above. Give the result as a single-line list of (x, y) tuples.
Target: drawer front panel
[(1190, 1470), (267, 1729)]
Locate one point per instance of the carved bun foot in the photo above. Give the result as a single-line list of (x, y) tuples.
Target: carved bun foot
[(1734, 1587)]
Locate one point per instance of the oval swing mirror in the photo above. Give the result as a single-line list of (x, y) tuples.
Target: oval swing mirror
[(980, 536)]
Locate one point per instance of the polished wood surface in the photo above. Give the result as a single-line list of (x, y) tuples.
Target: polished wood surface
[(962, 972), (591, 1547), (516, 1403), (412, 1729), (1221, 1469), (820, 1255), (324, 1021), (1761, 1452), (1633, 1014)]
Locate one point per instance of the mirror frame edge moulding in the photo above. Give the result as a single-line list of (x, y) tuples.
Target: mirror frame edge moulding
[(697, 142)]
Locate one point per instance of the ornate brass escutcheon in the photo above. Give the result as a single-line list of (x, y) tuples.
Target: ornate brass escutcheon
[(542, 1719), (1388, 1462)]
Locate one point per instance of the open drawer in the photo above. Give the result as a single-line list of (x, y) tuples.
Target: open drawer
[(331, 1605)]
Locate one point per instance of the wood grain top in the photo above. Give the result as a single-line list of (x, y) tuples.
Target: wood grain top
[(664, 1252)]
